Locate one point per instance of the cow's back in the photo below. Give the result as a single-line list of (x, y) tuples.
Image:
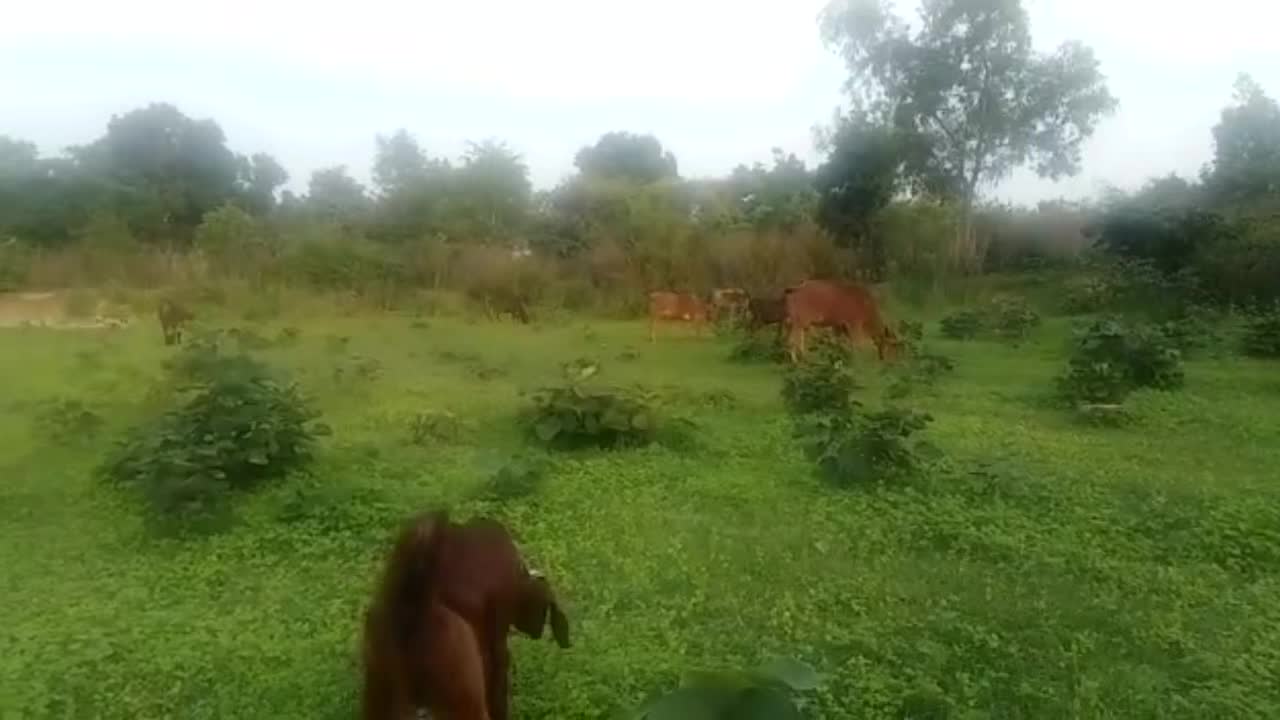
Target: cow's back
[(822, 302)]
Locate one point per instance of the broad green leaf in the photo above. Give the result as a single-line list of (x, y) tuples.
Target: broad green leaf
[(547, 428), (791, 673)]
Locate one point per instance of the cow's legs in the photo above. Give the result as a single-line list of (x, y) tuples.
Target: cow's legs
[(653, 329)]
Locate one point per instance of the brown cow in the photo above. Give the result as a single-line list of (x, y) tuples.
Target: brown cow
[(436, 634), (173, 317), (676, 307), (850, 308)]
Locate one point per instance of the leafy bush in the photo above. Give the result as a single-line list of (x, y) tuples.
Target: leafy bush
[(1088, 295), (759, 346), (1111, 360), (1194, 331), (1262, 335), (766, 692), (576, 414), (1012, 318), (233, 426), (865, 446), (962, 325), (821, 384), (513, 477)]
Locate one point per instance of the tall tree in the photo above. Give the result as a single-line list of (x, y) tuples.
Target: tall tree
[(975, 99), (781, 196), (261, 176), (491, 193), (398, 163), (1246, 158), (626, 156), (170, 169), (335, 195), (857, 181)]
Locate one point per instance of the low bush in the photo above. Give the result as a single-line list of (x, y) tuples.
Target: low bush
[(865, 446), (765, 692), (67, 420), (962, 325), (233, 425), (434, 426), (580, 414), (1262, 334), (820, 384), (1110, 360), (512, 477), (1011, 318), (759, 346)]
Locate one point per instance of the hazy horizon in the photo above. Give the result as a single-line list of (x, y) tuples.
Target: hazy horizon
[(717, 83)]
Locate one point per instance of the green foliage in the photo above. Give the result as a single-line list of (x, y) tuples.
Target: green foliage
[(820, 384), (865, 446), (758, 346), (1110, 360), (962, 325), (625, 156), (227, 234), (856, 183), (232, 426), (1012, 318), (1262, 335), (513, 477), (765, 692), (1246, 161), (579, 414)]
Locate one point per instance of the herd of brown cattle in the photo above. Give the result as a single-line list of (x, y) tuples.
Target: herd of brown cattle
[(849, 309)]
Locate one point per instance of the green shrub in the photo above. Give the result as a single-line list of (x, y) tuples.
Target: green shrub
[(1194, 331), (1011, 318), (578, 414), (820, 384), (1088, 295), (1262, 335), (1111, 360), (232, 426), (759, 346), (962, 325), (766, 692), (865, 446)]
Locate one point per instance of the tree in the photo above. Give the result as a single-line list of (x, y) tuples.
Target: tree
[(399, 163), (261, 176), (624, 156), (972, 97), (1246, 159), (18, 158), (412, 188), (780, 197), (490, 193), (167, 169), (335, 195), (857, 181)]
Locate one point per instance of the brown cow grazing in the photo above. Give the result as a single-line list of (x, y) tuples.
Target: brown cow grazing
[(729, 301), (850, 308), (436, 635), (173, 317), (676, 307)]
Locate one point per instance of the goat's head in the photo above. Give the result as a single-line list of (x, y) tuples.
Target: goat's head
[(536, 605)]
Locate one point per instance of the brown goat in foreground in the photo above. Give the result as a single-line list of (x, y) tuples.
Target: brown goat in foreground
[(436, 634)]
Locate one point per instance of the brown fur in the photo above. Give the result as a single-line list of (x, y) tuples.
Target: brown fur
[(436, 634), (729, 301), (173, 317), (850, 308), (766, 311), (676, 307)]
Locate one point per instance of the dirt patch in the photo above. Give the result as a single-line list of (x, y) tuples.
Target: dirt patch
[(71, 310)]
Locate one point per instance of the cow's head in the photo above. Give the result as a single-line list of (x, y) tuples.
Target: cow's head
[(536, 605)]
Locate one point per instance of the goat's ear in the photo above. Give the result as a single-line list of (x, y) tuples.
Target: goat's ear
[(559, 625)]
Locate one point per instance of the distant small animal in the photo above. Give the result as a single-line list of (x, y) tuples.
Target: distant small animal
[(173, 318), (731, 302), (850, 308), (676, 307), (436, 634)]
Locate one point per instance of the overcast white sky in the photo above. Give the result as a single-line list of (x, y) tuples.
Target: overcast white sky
[(719, 82)]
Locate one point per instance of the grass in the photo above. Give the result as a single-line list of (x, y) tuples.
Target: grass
[(1044, 569)]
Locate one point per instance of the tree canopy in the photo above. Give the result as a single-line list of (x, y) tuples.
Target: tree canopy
[(625, 156)]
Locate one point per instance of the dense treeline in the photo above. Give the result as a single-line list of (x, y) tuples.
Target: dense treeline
[(942, 110)]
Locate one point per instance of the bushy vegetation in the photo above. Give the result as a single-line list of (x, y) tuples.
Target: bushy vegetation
[(233, 424), (1006, 317), (1262, 335), (1111, 359), (579, 413), (821, 384)]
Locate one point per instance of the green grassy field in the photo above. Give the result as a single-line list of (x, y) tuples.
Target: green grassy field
[(1043, 569)]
